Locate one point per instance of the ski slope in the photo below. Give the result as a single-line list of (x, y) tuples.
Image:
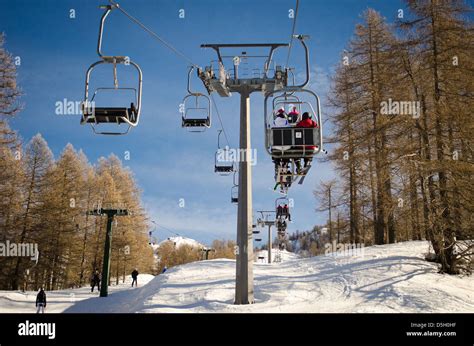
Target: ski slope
[(59, 301), (277, 256), (387, 278)]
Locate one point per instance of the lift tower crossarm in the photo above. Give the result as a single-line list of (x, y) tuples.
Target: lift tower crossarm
[(218, 46)]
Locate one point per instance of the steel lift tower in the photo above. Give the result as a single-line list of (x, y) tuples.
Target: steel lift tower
[(224, 84)]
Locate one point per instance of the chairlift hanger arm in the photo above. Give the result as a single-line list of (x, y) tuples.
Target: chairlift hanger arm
[(301, 38), (218, 139), (191, 69), (108, 9)]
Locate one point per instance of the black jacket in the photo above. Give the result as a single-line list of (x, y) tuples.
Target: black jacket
[(135, 274), (41, 298)]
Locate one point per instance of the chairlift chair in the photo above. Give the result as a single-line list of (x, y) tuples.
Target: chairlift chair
[(293, 143), (189, 120), (222, 167), (234, 197), (234, 192), (282, 201), (111, 115)]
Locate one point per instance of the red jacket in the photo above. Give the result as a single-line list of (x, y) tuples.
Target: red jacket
[(308, 123)]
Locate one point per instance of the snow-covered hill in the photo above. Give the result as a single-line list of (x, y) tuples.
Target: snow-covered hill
[(387, 278), (180, 241)]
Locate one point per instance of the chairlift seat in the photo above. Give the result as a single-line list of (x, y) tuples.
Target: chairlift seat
[(205, 122), (290, 136), (116, 115), (224, 169), (299, 142)]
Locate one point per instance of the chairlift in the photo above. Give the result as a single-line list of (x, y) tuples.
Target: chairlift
[(234, 192), (293, 142), (223, 167), (197, 117), (111, 115), (280, 203)]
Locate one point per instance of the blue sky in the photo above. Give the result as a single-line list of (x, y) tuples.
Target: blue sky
[(169, 163)]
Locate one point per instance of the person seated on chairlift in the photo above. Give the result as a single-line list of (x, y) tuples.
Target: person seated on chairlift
[(288, 178), (293, 116), (286, 212), (279, 210), (306, 122), (280, 119)]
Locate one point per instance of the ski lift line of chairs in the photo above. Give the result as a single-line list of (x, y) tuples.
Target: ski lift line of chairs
[(111, 115), (222, 168), (192, 122)]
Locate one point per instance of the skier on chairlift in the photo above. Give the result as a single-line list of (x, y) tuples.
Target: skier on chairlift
[(280, 118), (293, 115), (280, 121), (279, 211), (306, 122), (286, 212)]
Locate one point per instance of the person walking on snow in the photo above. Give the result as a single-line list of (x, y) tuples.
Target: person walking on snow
[(40, 301), (134, 277), (95, 281)]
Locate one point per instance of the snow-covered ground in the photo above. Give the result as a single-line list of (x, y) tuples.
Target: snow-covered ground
[(386, 278), (59, 301)]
